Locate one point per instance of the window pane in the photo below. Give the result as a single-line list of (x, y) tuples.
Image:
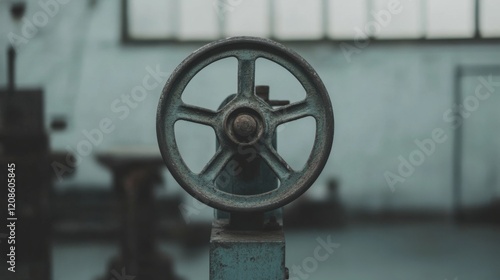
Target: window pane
[(249, 18), (151, 19), (397, 19), (490, 18), (199, 20), (344, 17), (298, 19), (450, 18)]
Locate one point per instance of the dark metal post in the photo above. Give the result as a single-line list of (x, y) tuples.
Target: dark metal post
[(11, 72)]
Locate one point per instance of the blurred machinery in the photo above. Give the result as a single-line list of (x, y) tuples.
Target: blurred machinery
[(247, 181), (135, 174), (25, 155)]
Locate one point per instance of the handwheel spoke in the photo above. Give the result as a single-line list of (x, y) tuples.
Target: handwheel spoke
[(293, 112), (196, 114), (246, 76), (216, 164), (276, 162)]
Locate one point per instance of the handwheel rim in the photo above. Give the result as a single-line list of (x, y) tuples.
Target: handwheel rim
[(171, 109)]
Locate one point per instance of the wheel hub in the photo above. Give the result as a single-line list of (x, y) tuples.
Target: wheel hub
[(244, 126)]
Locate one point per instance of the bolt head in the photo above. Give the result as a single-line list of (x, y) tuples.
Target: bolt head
[(244, 125)]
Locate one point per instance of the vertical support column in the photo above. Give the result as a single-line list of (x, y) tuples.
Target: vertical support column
[(135, 174), (11, 72), (246, 254), (249, 246)]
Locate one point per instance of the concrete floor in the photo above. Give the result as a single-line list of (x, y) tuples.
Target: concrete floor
[(365, 252)]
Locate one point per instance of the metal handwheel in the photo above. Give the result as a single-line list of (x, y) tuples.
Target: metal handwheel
[(245, 120)]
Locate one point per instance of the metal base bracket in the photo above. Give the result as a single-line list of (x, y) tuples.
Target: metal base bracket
[(246, 254)]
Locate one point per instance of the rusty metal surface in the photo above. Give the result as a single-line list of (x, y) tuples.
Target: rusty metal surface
[(246, 255), (317, 104)]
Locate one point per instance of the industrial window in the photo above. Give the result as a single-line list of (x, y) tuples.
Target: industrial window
[(490, 20), (204, 20), (450, 18)]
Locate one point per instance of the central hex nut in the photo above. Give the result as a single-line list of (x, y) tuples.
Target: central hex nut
[(245, 125)]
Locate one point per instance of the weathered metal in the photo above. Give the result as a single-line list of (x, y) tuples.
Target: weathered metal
[(251, 177), (317, 104), (246, 254), (136, 172), (245, 125), (24, 150)]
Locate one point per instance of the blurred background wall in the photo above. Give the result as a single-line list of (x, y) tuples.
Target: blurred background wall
[(392, 68), (387, 91)]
